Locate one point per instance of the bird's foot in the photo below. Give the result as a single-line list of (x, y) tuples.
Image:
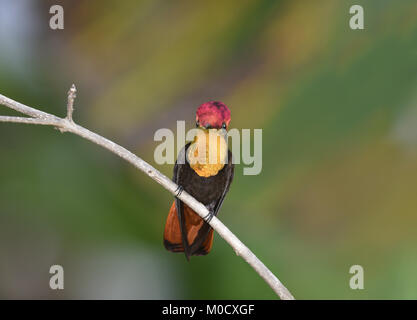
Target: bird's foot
[(178, 191), (209, 216)]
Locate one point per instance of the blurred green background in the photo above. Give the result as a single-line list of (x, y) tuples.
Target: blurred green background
[(338, 109)]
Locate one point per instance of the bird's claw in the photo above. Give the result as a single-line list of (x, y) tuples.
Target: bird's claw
[(178, 191), (209, 216)]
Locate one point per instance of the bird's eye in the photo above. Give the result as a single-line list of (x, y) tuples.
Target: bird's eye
[(224, 125), (197, 123)]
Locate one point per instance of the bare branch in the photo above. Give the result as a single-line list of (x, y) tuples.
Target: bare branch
[(27, 120), (66, 124), (19, 107)]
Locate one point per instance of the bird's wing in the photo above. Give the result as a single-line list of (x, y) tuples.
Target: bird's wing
[(230, 172), (179, 166)]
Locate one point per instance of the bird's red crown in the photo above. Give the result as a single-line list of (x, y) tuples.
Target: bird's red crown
[(213, 114)]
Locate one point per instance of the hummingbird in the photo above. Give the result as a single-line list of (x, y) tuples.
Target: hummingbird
[(206, 180)]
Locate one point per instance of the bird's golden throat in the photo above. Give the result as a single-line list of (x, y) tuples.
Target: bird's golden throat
[(208, 152)]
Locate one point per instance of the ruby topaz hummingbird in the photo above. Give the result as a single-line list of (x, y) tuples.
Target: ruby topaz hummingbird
[(206, 180)]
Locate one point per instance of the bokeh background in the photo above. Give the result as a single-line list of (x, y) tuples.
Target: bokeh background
[(338, 109)]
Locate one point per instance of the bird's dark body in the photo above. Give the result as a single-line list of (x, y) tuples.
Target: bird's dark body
[(208, 190)]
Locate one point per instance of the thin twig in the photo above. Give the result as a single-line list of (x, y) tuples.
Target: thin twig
[(27, 120), (67, 125)]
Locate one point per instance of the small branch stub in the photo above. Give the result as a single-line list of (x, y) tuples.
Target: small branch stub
[(72, 94)]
